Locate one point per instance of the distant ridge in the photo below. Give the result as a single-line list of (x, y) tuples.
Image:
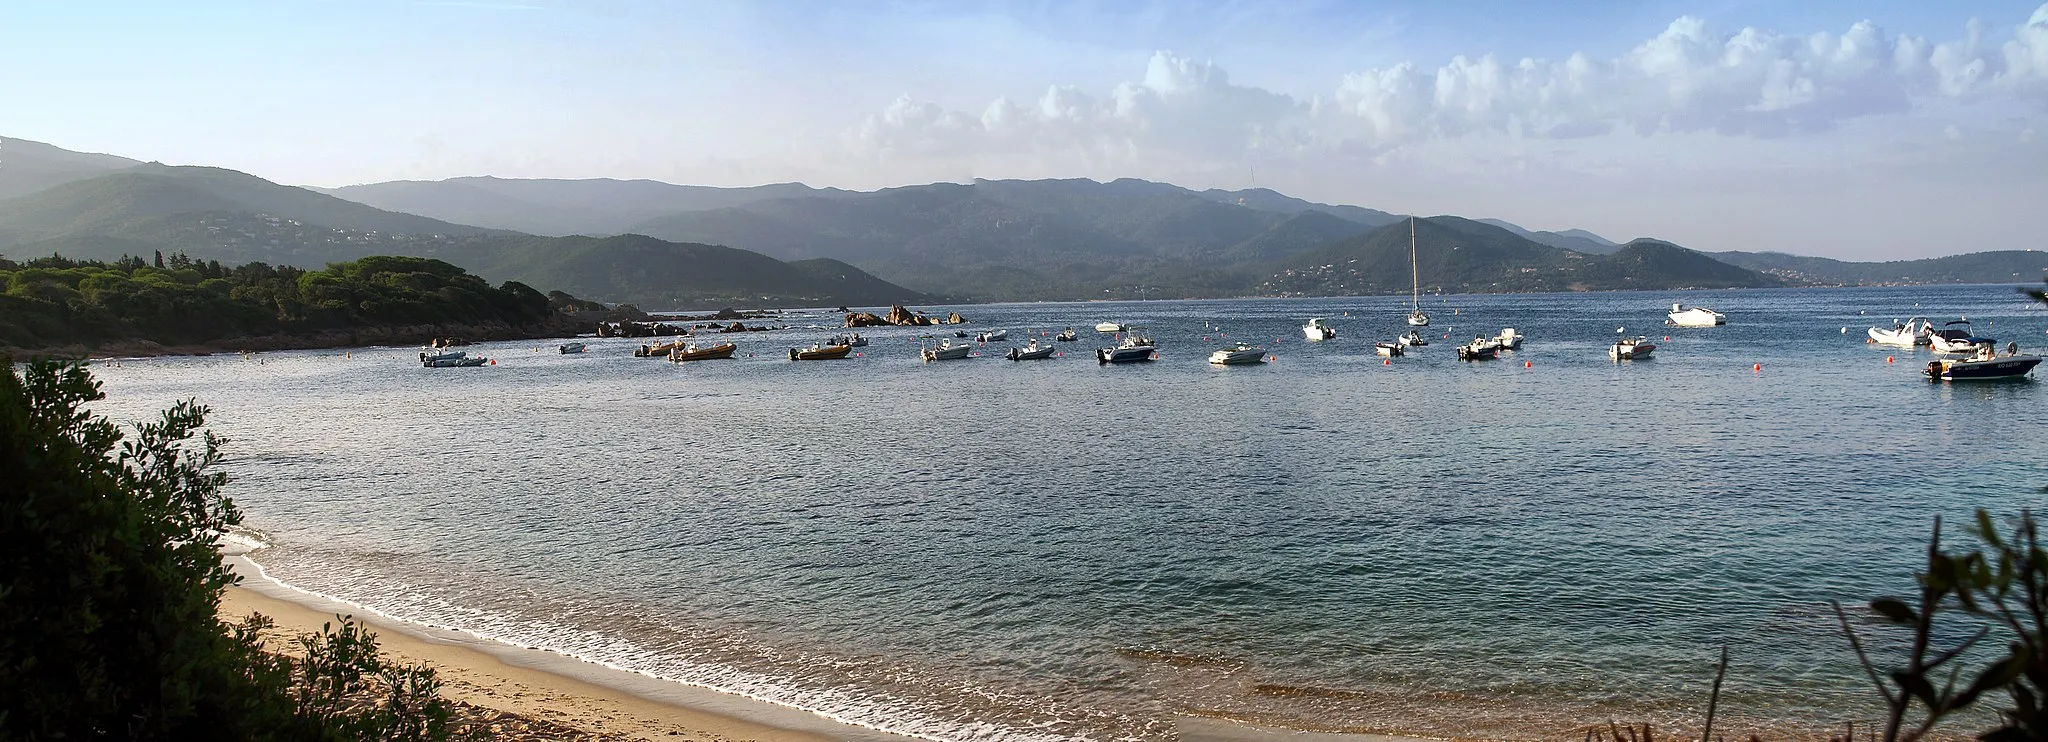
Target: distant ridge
[(27, 167), (1065, 239), (1457, 255)]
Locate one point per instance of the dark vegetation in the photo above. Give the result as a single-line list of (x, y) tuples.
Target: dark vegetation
[(110, 587), (57, 302)]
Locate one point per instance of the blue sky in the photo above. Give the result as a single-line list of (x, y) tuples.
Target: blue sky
[(1863, 130)]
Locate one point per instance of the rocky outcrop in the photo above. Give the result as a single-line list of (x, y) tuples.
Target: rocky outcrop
[(899, 316)]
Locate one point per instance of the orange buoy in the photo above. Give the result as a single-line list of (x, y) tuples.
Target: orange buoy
[(1386, 361), (1527, 364), (1758, 367), (494, 361), (1272, 358), (1887, 359)]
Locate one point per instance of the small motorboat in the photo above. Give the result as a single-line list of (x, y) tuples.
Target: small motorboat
[(1956, 337), (850, 340), (1240, 354), (1108, 327), (1389, 348), (1318, 330), (959, 333), (1985, 365), (1630, 349), (1414, 339), (694, 352), (1480, 349), (946, 350), (1508, 339), (1067, 336), (994, 336), (1912, 332), (568, 348), (820, 353), (1684, 316), (658, 350), (1133, 349), (450, 359), (1032, 352)]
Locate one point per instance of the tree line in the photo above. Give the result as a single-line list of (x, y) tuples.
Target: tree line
[(58, 302)]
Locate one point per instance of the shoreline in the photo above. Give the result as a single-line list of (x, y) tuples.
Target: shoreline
[(607, 702), (540, 684)]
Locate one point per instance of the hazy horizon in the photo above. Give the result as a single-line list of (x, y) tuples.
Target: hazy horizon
[(1855, 131)]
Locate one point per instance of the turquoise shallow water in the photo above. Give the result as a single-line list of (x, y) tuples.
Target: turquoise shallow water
[(993, 550)]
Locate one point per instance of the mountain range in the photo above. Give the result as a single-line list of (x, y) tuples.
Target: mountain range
[(665, 245)]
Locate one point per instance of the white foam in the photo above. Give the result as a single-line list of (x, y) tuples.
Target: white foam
[(838, 704)]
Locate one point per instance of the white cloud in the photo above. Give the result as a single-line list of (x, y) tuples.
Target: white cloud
[(1690, 78)]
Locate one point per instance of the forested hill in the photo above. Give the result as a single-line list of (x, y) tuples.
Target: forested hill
[(138, 306)]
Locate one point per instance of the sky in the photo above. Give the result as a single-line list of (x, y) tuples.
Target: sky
[(1873, 130)]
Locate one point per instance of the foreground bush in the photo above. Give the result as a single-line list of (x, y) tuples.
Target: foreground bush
[(110, 587)]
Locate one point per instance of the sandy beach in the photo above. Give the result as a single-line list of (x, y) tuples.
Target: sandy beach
[(484, 680)]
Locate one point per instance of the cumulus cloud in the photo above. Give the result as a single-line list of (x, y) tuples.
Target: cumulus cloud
[(1180, 104), (1687, 79)]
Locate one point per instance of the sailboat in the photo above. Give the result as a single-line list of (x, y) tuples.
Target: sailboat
[(1416, 318)]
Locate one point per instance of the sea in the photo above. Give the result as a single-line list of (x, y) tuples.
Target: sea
[(1327, 542)]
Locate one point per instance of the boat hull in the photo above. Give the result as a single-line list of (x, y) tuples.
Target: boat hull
[(1996, 369), (1137, 354), (827, 353), (1634, 352), (1038, 354), (1905, 338), (953, 353), (704, 354), (1485, 352), (1418, 319), (1238, 357), (455, 362), (1109, 327), (1696, 317), (1388, 349)]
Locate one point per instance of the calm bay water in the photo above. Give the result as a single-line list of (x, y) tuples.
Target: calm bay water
[(993, 550)]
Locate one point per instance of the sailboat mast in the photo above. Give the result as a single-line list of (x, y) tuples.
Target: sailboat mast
[(1414, 271)]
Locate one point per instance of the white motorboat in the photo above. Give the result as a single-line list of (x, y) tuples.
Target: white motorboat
[(1389, 348), (994, 336), (1032, 352), (1984, 365), (1108, 327), (1240, 354), (1133, 349), (568, 348), (1630, 348), (1317, 329), (850, 340), (947, 351), (1067, 336), (1416, 317), (1684, 316), (1956, 337), (1414, 339), (1480, 349), (1915, 331), (1508, 339)]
